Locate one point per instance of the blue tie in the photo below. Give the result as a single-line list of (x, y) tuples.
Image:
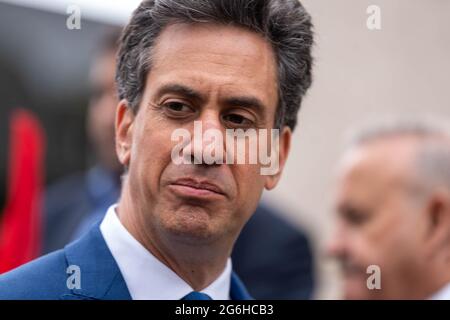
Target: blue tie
[(194, 295)]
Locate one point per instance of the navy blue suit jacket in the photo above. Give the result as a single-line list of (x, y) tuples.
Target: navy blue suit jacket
[(46, 277)]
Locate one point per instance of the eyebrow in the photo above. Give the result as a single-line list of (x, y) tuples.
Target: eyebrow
[(181, 90), (249, 102)]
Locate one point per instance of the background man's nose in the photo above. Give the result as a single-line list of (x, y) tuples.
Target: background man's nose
[(335, 246)]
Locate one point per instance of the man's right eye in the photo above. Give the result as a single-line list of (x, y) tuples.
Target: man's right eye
[(177, 108), (355, 217)]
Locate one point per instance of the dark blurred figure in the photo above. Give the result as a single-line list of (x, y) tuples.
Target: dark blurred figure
[(76, 202), (272, 258)]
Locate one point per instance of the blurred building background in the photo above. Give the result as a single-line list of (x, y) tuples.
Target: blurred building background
[(402, 69)]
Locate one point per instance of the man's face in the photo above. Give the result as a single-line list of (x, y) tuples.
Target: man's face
[(378, 221), (224, 77)]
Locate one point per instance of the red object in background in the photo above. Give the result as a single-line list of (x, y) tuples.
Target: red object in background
[(20, 227)]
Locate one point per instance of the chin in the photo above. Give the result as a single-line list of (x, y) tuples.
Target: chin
[(190, 227), (355, 289)]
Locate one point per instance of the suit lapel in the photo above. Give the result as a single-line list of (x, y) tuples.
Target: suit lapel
[(100, 275), (237, 289)]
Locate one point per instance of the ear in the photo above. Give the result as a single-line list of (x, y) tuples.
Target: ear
[(124, 132), (284, 148), (438, 222)]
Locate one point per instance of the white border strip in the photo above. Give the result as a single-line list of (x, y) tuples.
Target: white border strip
[(107, 11)]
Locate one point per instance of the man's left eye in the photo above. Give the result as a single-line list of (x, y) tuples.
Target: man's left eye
[(237, 119)]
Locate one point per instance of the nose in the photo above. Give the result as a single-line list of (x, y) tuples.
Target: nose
[(207, 144), (336, 244)]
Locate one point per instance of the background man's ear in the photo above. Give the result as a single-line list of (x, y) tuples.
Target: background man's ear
[(285, 146), (124, 132), (438, 216)]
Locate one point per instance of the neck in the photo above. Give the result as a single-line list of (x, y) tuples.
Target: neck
[(197, 264), (441, 278), (433, 278)]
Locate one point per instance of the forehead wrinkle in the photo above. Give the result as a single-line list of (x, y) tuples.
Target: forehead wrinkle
[(228, 83), (245, 43), (218, 67)]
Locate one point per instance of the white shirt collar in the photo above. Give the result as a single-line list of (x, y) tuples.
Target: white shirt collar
[(146, 277), (442, 294)]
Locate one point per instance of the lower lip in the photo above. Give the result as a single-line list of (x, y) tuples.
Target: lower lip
[(186, 191)]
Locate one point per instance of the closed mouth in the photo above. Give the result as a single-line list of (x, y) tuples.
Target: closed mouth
[(199, 185)]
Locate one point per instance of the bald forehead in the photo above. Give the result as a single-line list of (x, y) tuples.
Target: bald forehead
[(388, 159)]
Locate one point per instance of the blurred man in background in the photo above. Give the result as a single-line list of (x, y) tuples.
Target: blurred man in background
[(393, 204), (77, 202)]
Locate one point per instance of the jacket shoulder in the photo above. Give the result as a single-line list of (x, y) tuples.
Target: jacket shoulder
[(43, 278)]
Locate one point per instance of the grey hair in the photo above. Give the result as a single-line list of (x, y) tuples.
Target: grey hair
[(433, 154), (284, 23)]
